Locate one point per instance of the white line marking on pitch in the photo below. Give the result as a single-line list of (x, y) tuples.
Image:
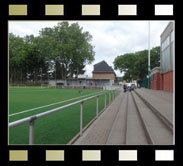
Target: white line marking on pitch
[(51, 104)]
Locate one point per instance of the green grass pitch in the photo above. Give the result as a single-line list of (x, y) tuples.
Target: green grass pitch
[(57, 128)]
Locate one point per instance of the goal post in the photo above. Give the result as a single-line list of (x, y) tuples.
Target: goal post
[(45, 85)]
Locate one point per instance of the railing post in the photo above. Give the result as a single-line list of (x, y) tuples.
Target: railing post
[(97, 106), (31, 131), (81, 119), (105, 100), (109, 97), (112, 95)]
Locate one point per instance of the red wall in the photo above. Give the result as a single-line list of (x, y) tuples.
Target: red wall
[(163, 82), (167, 83), (155, 83)]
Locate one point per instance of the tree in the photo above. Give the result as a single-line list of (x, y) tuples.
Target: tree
[(69, 47), (36, 65), (17, 57), (135, 65), (59, 52)]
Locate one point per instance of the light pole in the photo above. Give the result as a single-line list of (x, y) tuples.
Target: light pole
[(55, 74), (149, 54)]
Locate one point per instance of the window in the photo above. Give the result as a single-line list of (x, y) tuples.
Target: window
[(168, 41), (172, 36), (166, 60), (172, 49), (165, 43), (172, 54)]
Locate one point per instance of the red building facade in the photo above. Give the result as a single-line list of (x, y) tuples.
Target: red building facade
[(162, 78), (156, 79)]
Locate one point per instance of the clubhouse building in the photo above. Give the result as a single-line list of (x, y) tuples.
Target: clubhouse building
[(103, 75)]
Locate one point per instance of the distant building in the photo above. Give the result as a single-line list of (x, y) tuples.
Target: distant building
[(162, 78), (103, 74), (119, 80), (75, 83)]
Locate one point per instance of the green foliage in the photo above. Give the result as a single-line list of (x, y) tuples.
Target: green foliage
[(69, 47), (135, 65), (59, 52)]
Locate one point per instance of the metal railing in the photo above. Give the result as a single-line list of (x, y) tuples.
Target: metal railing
[(31, 119)]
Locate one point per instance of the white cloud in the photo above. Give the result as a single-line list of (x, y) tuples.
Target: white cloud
[(110, 38)]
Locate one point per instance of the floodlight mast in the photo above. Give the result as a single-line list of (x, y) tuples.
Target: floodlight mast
[(149, 55)]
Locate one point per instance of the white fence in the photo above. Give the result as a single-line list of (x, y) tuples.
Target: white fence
[(112, 88)]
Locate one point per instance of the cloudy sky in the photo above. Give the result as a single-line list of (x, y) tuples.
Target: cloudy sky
[(110, 38)]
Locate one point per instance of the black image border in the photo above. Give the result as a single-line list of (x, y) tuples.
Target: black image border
[(73, 154)]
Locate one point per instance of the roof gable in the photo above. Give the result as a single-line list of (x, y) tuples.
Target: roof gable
[(102, 67)]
